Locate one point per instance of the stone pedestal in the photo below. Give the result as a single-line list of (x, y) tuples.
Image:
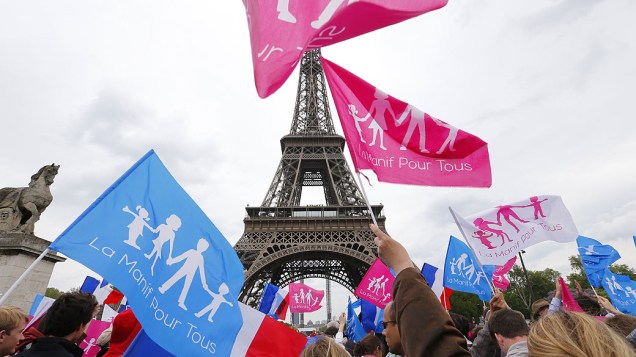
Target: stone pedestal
[(17, 252)]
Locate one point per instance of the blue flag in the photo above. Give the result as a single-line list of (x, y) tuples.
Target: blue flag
[(355, 331), (371, 316), (595, 258), (151, 240), (462, 273), (621, 290)]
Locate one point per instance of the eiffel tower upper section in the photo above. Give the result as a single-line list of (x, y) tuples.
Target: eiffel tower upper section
[(283, 241)]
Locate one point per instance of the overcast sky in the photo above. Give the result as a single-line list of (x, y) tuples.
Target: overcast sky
[(93, 85)]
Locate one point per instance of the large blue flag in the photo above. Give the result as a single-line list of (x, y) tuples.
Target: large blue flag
[(355, 331), (151, 240), (595, 258), (462, 273), (621, 290)]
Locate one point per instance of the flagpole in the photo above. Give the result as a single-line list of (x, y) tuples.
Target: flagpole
[(23, 276), (364, 193), (461, 230), (588, 278)]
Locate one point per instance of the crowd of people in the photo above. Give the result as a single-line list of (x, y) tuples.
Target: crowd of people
[(414, 324)]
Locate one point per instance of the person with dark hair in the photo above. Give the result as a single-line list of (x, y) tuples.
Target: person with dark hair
[(462, 323), (12, 322), (420, 321), (510, 330), (589, 305), (369, 346), (64, 326), (621, 323)]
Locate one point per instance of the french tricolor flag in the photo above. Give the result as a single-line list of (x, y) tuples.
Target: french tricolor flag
[(260, 336), (275, 302), (104, 293), (435, 279)]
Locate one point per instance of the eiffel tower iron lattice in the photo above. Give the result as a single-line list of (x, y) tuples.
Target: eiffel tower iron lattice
[(285, 242)]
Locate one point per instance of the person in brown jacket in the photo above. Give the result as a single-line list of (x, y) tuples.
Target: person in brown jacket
[(425, 327)]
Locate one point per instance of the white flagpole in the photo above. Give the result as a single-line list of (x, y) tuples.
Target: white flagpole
[(23, 276), (471, 248), (364, 193)]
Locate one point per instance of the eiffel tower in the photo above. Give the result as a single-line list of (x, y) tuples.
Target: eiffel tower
[(285, 242)]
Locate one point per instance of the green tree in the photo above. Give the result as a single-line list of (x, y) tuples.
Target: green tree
[(467, 305), (518, 294), (53, 293)]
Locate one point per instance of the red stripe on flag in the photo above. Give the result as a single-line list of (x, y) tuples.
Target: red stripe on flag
[(273, 338), (114, 297)]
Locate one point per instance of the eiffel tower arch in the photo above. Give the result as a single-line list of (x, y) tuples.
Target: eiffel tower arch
[(285, 242)]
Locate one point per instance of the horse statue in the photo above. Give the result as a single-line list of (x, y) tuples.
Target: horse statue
[(21, 207)]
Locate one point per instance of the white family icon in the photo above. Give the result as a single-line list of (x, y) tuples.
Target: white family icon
[(381, 107), (193, 259), (377, 286), (285, 15), (460, 266), (305, 298), (615, 287)]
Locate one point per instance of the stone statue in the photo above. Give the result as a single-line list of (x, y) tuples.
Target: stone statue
[(21, 207)]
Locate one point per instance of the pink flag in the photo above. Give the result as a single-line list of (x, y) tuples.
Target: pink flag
[(304, 298), (499, 279), (89, 344), (377, 285), (498, 234), (400, 143), (281, 30), (568, 300)]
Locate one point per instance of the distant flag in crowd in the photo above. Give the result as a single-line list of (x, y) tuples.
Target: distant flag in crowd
[(498, 234), (40, 306), (621, 291), (595, 258), (304, 298), (280, 31), (376, 286), (371, 316), (399, 142), (567, 299), (497, 273), (462, 272), (108, 313), (104, 293), (151, 240), (435, 279), (275, 302), (355, 331), (89, 343), (123, 306)]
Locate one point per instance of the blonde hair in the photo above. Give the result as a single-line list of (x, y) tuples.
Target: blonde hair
[(12, 317), (575, 334), (325, 347)]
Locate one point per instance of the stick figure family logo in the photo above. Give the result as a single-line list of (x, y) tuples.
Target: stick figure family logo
[(305, 298), (488, 229), (285, 15), (465, 268), (193, 259), (377, 287), (378, 111), (615, 287)]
